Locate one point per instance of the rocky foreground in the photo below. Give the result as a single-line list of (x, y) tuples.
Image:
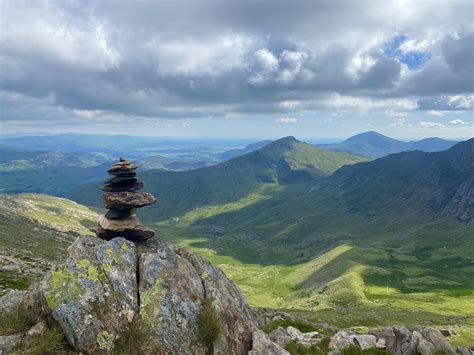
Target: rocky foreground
[(106, 288)]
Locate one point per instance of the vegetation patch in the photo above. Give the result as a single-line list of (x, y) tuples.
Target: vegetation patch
[(19, 319), (209, 324), (51, 341)]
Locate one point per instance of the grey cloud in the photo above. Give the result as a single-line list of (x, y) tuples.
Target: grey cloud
[(190, 59)]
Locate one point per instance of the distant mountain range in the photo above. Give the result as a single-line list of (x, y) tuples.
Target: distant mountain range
[(282, 162), (248, 149), (375, 145)]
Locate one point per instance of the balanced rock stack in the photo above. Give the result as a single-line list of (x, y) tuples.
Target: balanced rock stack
[(122, 199)]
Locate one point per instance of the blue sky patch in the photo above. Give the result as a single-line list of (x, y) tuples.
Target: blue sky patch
[(414, 60)]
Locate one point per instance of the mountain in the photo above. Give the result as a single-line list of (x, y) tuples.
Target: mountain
[(56, 181), (248, 149), (375, 145), (13, 159), (407, 184), (282, 162)]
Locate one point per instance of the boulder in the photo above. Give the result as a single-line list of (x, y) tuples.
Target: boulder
[(127, 199), (292, 331), (280, 337), (385, 332), (365, 341), (262, 345), (10, 301), (421, 346), (341, 340), (400, 342), (173, 284), (436, 338), (94, 296)]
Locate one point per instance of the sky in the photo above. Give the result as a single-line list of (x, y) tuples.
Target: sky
[(238, 69)]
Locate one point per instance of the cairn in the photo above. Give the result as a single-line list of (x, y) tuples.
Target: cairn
[(121, 198)]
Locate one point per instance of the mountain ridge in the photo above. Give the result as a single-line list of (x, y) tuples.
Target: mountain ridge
[(375, 145)]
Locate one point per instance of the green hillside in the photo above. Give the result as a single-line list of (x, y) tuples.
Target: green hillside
[(35, 231), (381, 242), (256, 175)]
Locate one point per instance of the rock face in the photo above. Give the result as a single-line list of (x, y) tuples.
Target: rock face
[(94, 296), (122, 199), (106, 284)]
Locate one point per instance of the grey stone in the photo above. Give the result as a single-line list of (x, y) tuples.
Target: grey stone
[(365, 341), (421, 346), (93, 294), (7, 342), (399, 343), (262, 345), (341, 340), (436, 338), (127, 199), (280, 337)]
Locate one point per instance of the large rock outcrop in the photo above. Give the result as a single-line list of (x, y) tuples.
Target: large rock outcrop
[(106, 284)]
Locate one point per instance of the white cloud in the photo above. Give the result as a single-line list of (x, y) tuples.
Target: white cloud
[(360, 64), (191, 56), (396, 114), (458, 122), (435, 113), (417, 45), (430, 125), (397, 124), (336, 101), (461, 101), (286, 120)]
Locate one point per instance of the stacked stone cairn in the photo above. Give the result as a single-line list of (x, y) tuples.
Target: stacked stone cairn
[(121, 198)]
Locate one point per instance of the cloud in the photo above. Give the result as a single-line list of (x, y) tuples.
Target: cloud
[(435, 113), (286, 120), (430, 125), (66, 61), (458, 122)]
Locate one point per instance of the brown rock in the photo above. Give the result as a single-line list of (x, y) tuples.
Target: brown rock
[(122, 167), (124, 186), (118, 225), (127, 199), (117, 179), (138, 233), (118, 214)]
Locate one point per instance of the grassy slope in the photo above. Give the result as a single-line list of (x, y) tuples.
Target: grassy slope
[(35, 231), (366, 258)]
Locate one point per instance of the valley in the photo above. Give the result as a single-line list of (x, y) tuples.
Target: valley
[(359, 245)]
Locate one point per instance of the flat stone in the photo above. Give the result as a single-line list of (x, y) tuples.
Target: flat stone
[(124, 173), (116, 179), (122, 167), (123, 186), (121, 213), (127, 199), (118, 225), (138, 233)]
